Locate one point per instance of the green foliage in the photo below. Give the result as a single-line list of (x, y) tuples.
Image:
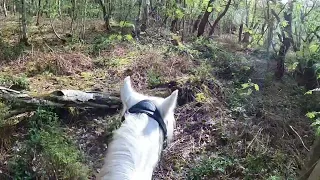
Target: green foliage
[(20, 82), (268, 166), (239, 98), (315, 117), (210, 167), (107, 42), (154, 78), (56, 155)]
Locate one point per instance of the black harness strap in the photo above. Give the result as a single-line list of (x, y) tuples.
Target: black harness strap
[(150, 109)]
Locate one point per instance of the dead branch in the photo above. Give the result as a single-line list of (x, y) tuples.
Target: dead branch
[(55, 32)]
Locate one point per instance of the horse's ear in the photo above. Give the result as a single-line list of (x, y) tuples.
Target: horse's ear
[(169, 104), (126, 91)]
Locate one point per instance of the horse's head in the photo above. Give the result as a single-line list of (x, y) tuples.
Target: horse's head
[(166, 106)]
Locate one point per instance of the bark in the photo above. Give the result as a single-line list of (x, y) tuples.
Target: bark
[(137, 21), (73, 16), (61, 99), (240, 33), (173, 25), (204, 20), (59, 7), (219, 17), (287, 40), (196, 23), (24, 37), (144, 16), (84, 19), (106, 16), (38, 13), (4, 6)]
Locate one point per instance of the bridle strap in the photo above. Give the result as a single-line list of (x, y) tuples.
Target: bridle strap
[(150, 109)]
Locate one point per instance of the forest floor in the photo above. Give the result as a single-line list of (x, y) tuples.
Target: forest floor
[(234, 121)]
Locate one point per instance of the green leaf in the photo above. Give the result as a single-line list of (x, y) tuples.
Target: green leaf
[(284, 23), (313, 48), (128, 37), (245, 85), (311, 115), (308, 92), (210, 9), (256, 87), (316, 123)]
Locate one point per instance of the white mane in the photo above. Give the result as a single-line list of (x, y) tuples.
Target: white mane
[(136, 146)]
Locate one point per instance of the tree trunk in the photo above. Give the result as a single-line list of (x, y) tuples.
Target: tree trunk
[(4, 6), (84, 19), (24, 37), (286, 41), (219, 18), (105, 15), (137, 21), (246, 37), (204, 20), (173, 25), (196, 23), (240, 33), (73, 16), (14, 7), (285, 45), (59, 7), (38, 13), (144, 16)]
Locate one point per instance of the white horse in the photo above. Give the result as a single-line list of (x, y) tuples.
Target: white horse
[(137, 145)]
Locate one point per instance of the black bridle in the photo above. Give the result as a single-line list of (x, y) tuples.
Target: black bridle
[(150, 109)]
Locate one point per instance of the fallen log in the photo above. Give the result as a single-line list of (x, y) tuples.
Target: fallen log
[(61, 99)]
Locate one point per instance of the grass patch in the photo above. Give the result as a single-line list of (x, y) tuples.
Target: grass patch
[(14, 82), (264, 166), (154, 78), (47, 152), (209, 168)]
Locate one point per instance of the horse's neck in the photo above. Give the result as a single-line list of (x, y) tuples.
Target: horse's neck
[(135, 149)]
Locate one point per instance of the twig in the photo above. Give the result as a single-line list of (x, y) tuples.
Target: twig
[(299, 138), (255, 137)]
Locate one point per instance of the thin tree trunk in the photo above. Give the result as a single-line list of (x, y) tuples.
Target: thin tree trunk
[(196, 23), (137, 21), (84, 19), (173, 25), (14, 7), (204, 20), (240, 32), (144, 16), (4, 6), (59, 7), (286, 41), (24, 38), (38, 13), (105, 15), (74, 2), (219, 17)]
